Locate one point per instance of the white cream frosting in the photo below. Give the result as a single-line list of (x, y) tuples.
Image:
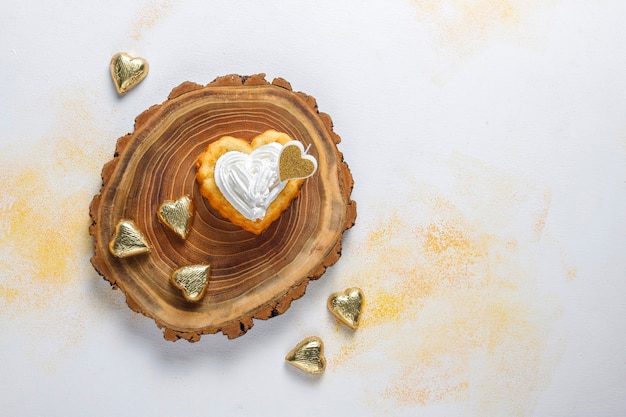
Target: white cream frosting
[(250, 182)]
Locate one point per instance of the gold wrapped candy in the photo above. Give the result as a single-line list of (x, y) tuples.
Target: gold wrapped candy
[(346, 306), (308, 355), (127, 71), (177, 215), (128, 240), (192, 280)]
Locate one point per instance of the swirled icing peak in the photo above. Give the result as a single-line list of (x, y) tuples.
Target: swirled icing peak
[(250, 182)]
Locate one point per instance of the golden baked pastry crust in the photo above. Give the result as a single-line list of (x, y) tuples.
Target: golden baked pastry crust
[(205, 175)]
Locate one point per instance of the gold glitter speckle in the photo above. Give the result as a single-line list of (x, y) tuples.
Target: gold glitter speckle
[(454, 313), (293, 164), (43, 228), (149, 16), (456, 30)]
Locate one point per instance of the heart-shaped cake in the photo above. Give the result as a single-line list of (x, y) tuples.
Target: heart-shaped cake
[(242, 180)]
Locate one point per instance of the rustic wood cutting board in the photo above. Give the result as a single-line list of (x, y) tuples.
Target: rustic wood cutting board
[(251, 276)]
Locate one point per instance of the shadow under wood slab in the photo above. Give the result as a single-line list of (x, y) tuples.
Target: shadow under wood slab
[(251, 276)]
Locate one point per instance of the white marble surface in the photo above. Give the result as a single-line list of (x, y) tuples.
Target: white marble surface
[(487, 140)]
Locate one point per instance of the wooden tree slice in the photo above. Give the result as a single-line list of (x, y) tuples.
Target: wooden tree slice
[(251, 276)]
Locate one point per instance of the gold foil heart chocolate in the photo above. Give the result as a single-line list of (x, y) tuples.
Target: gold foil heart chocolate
[(127, 71), (192, 280), (308, 355), (293, 164), (346, 306), (177, 215), (128, 240)]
